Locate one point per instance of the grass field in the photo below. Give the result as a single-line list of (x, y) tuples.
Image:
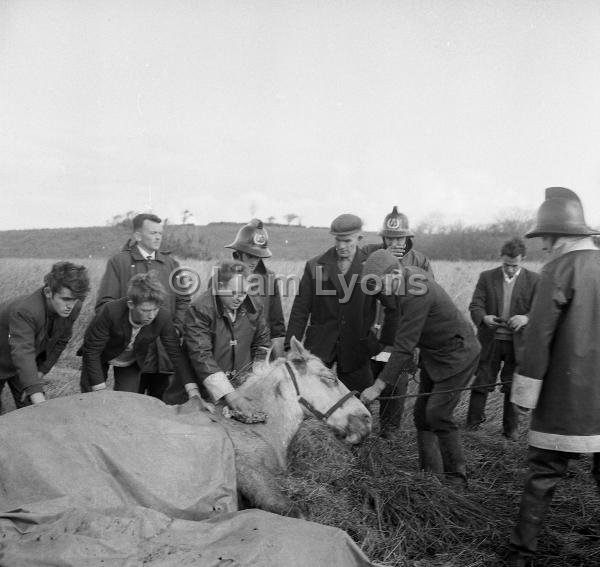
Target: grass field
[(413, 521)]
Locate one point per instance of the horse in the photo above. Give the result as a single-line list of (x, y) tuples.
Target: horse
[(288, 390)]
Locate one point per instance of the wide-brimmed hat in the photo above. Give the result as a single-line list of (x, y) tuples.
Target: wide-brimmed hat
[(561, 214)]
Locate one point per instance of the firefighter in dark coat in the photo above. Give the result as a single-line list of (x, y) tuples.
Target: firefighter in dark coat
[(500, 310), (332, 312), (558, 376), (139, 257), (36, 328), (397, 238), (449, 351), (251, 247)]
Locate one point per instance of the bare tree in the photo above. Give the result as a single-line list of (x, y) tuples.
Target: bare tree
[(290, 217)]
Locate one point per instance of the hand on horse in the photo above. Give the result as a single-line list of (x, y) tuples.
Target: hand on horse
[(200, 405), (370, 394), (238, 403)]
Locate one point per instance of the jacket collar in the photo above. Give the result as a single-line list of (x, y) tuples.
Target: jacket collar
[(248, 304), (132, 248)]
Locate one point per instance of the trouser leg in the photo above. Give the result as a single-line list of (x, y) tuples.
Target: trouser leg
[(391, 410), (510, 419), (476, 413), (510, 416), (154, 384), (127, 379), (21, 400), (435, 413), (596, 469), (546, 468), (483, 384), (358, 379)]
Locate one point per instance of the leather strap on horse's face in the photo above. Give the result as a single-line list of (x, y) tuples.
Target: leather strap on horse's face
[(312, 409)]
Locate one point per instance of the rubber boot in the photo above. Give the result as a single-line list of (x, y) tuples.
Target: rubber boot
[(430, 458), (476, 414), (453, 458), (510, 419), (546, 468)]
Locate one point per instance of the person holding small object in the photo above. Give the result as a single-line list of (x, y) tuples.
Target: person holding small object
[(500, 310), (225, 333), (123, 331), (449, 351), (35, 329)]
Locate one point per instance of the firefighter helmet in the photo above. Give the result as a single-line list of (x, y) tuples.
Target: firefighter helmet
[(561, 214), (395, 225), (252, 239)]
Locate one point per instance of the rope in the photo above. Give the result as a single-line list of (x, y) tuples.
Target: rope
[(420, 395)]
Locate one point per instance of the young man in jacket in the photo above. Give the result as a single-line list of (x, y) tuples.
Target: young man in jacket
[(332, 312), (449, 351), (558, 376), (500, 310), (251, 247), (35, 329), (139, 256), (225, 334), (121, 334)]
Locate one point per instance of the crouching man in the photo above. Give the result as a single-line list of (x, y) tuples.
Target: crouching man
[(35, 329), (123, 331), (225, 333), (427, 319)]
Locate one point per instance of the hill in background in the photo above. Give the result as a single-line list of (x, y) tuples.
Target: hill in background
[(206, 242)]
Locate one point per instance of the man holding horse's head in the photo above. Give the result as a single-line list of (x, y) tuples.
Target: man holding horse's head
[(332, 312), (225, 332), (449, 351)]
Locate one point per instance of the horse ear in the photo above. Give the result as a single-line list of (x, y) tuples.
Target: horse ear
[(296, 348)]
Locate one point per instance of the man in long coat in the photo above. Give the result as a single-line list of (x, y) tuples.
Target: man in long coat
[(332, 312), (558, 376), (139, 257), (500, 310)]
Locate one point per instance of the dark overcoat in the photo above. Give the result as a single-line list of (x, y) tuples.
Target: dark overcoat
[(333, 314), (487, 300), (120, 269), (559, 374), (32, 339)]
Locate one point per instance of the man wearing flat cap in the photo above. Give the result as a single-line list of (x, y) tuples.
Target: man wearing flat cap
[(332, 312), (449, 352), (558, 375)]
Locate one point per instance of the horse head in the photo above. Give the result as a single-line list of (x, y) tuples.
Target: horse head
[(322, 395)]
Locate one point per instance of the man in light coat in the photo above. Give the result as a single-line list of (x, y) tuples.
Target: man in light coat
[(558, 376)]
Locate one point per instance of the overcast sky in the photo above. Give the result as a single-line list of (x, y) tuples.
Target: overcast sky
[(261, 108)]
